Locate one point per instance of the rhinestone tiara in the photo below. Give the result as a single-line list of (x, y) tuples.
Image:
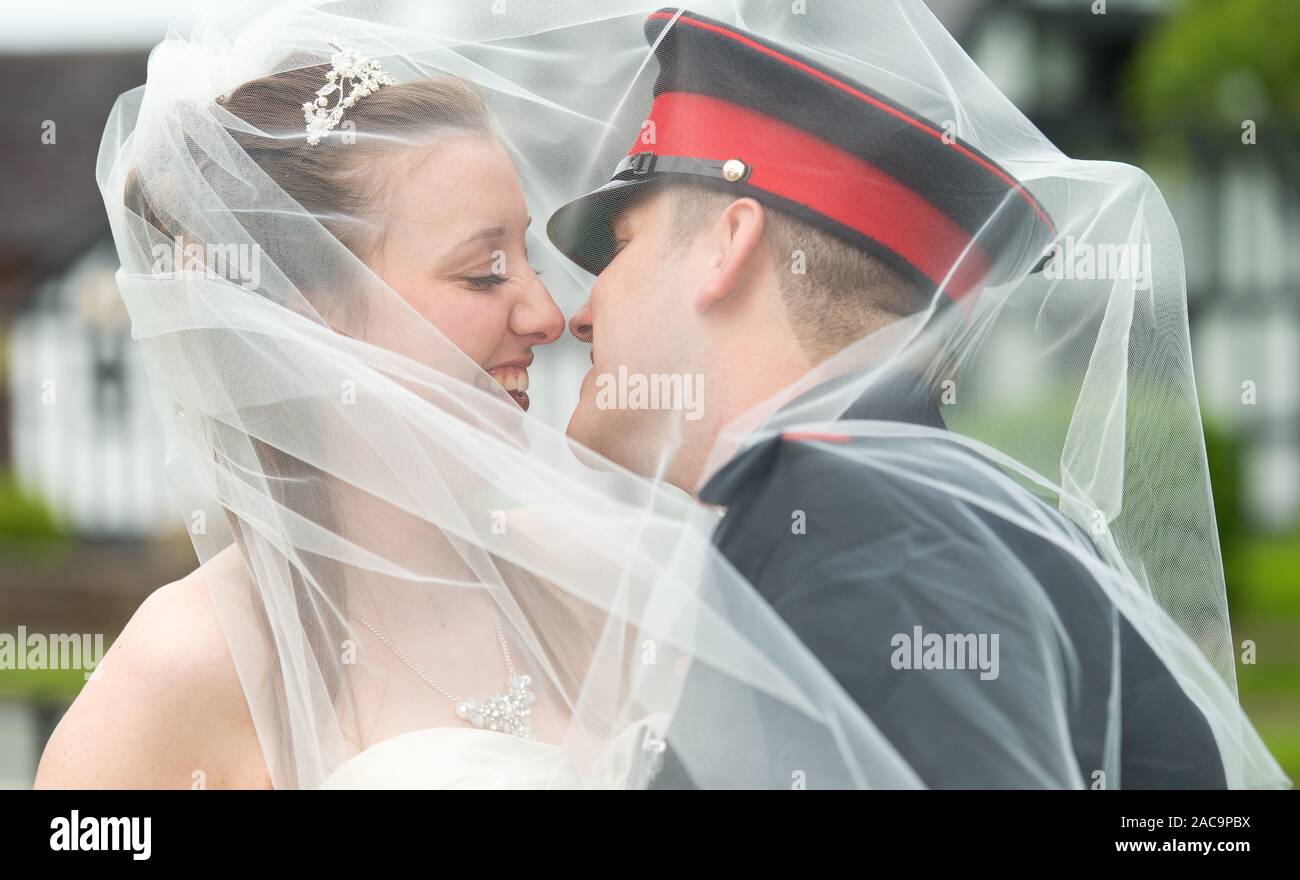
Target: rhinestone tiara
[(348, 69)]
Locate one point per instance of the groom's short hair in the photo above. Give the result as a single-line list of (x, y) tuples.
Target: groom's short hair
[(833, 292)]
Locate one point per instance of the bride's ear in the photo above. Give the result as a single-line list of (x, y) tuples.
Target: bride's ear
[(733, 244)]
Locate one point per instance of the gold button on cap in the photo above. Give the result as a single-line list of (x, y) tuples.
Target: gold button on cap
[(733, 169)]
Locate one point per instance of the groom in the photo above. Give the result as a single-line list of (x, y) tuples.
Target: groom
[(751, 157)]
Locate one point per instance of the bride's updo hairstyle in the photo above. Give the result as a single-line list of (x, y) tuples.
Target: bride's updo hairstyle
[(344, 179), (337, 179)]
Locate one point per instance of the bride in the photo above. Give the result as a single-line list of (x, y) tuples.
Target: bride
[(450, 240)]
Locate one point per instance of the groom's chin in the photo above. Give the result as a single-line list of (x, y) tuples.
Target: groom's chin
[(591, 429), (583, 430)]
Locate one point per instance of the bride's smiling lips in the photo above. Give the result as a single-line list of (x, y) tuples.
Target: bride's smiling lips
[(513, 377)]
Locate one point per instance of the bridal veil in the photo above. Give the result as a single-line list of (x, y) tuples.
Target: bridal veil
[(351, 480)]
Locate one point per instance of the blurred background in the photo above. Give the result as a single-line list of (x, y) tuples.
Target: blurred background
[(1203, 94)]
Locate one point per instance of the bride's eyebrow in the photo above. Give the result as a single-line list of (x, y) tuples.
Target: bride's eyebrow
[(488, 233), (455, 252)]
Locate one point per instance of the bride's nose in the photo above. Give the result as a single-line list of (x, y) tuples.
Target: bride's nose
[(537, 316)]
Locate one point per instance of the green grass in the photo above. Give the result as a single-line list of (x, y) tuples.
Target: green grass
[(1270, 687), (1270, 576), (1282, 738), (42, 684), (25, 518)]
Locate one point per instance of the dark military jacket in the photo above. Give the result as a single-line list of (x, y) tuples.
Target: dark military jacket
[(882, 554)]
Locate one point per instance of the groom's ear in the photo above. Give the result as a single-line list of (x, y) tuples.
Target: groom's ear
[(731, 246)]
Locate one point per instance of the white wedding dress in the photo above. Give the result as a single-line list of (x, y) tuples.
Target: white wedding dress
[(473, 758)]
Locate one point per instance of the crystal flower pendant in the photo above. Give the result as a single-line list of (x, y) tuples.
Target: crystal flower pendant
[(506, 712)]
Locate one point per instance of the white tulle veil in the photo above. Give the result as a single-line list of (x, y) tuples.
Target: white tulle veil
[(352, 481)]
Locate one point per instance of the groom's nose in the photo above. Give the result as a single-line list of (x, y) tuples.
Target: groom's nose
[(580, 323)]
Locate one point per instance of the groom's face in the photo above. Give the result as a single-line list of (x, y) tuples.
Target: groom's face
[(639, 322)]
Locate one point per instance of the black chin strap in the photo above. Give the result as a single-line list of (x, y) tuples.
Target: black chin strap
[(641, 165)]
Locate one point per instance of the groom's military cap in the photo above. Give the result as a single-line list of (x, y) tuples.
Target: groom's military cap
[(744, 115)]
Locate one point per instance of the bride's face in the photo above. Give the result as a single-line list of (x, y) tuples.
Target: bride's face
[(454, 248)]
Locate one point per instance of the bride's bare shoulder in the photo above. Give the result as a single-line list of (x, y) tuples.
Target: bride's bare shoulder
[(165, 708)]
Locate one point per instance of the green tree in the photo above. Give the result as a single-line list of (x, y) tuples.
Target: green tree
[(1212, 64)]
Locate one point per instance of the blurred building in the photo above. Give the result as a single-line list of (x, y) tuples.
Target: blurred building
[(84, 438), (65, 362), (87, 528), (77, 428), (1237, 209)]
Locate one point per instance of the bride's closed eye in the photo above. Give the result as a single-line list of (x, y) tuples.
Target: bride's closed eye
[(491, 280), (484, 282)]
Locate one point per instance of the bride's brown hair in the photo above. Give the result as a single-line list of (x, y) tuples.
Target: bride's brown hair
[(348, 167)]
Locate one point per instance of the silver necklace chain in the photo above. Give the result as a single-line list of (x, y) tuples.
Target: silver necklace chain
[(507, 712)]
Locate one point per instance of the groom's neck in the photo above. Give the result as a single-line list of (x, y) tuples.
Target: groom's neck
[(741, 388)]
